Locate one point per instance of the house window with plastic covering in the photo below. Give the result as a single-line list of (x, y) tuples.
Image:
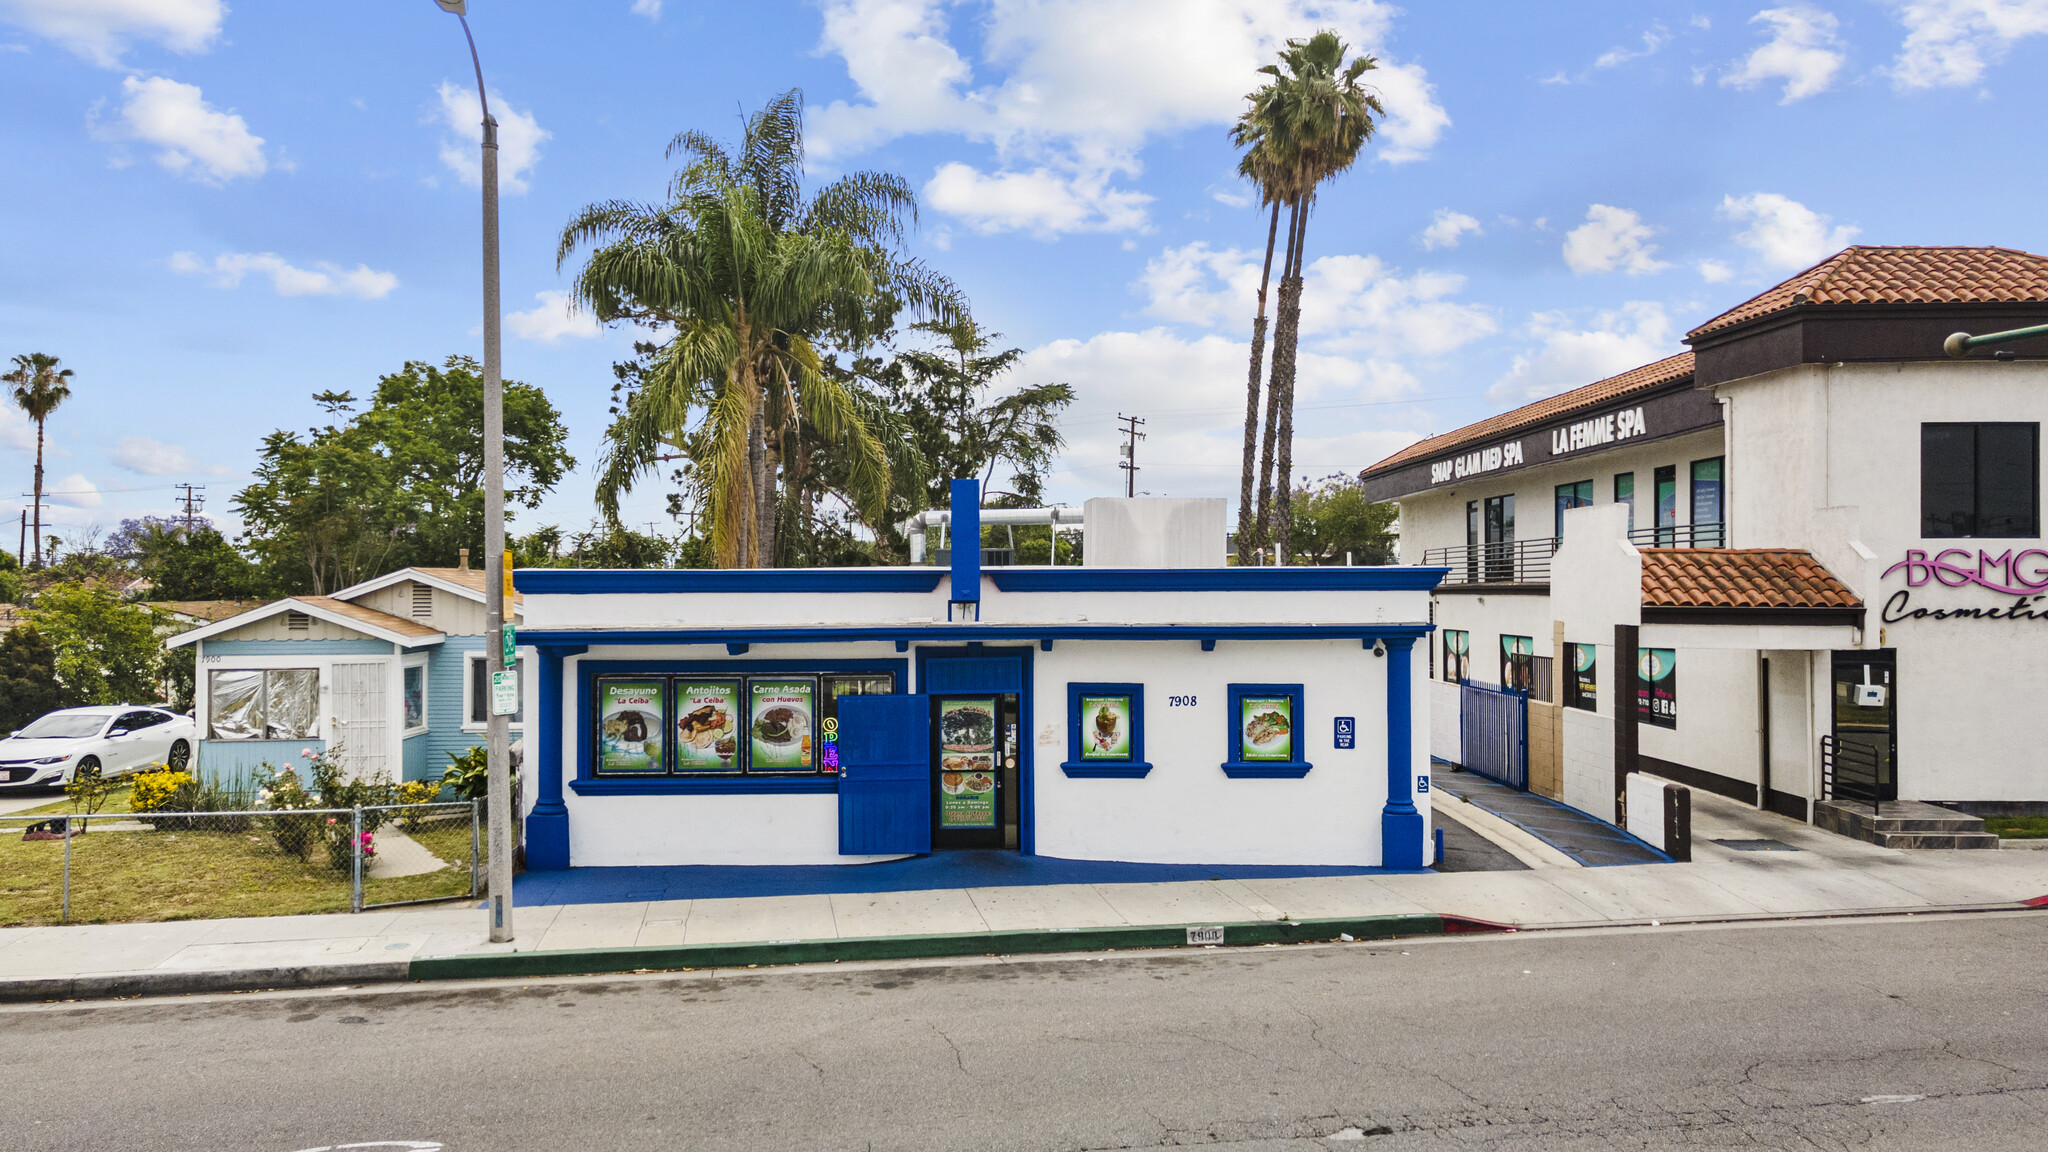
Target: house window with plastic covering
[(277, 704)]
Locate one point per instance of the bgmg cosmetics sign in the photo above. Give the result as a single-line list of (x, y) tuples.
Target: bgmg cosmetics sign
[(2022, 575)]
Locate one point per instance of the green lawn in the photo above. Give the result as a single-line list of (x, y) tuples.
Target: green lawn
[(173, 874), (2017, 827)]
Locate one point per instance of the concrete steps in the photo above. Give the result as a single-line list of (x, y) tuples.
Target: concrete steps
[(1903, 824)]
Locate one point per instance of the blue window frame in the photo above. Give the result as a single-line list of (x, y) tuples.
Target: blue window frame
[(1106, 730), (1265, 731), (591, 780)]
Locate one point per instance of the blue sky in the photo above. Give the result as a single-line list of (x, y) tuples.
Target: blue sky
[(212, 212)]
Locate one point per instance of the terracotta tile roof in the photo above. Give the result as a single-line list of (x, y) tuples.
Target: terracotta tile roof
[(370, 616), (1867, 274), (1634, 380), (1740, 578), (470, 578)]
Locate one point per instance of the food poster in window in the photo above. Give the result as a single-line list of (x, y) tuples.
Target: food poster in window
[(781, 729), (1517, 665), (1265, 728), (1106, 728), (1582, 688), (1657, 687), (707, 725), (1457, 649), (629, 726), (967, 763)]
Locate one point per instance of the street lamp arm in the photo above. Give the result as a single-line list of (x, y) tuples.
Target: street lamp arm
[(1960, 344), (476, 63)]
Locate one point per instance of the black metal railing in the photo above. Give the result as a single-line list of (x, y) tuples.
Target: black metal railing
[(1507, 562), (1714, 535), (1849, 771)]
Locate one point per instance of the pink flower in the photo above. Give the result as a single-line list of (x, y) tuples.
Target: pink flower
[(307, 752)]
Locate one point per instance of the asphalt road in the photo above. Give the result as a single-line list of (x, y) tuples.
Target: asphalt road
[(1923, 1033)]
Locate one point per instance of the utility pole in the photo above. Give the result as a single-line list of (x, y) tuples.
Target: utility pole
[(1129, 451), (192, 503), (497, 573)]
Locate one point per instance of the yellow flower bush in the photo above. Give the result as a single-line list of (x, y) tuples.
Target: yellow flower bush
[(156, 790)]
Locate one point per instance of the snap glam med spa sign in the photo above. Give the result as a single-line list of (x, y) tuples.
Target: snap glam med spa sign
[(2022, 575)]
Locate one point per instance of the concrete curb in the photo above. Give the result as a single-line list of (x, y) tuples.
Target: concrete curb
[(594, 961), (123, 984)]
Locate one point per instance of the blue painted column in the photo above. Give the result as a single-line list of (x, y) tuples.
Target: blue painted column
[(547, 827), (1401, 831), (966, 525)]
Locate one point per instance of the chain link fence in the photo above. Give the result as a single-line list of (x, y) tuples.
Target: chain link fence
[(141, 866)]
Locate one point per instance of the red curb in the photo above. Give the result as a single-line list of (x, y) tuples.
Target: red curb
[(1468, 924)]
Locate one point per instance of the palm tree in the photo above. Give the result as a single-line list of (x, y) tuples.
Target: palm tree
[(1259, 166), (39, 387), (753, 278), (1310, 123)]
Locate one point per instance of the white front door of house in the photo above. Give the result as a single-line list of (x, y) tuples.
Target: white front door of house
[(362, 719)]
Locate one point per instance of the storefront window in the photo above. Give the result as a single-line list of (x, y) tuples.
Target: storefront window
[(1657, 687), (1625, 493), (273, 704), (1980, 480), (1106, 729), (1708, 491), (1518, 663), (730, 725), (1457, 650), (1571, 496), (1581, 687), (1265, 730), (1500, 538), (1667, 505)]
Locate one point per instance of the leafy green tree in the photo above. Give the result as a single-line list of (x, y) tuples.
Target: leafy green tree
[(400, 483), (107, 651), (10, 578), (1305, 127), (196, 563), (28, 678), (39, 386), (753, 277), (1333, 519)]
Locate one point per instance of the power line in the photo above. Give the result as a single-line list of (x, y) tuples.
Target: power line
[(1129, 463)]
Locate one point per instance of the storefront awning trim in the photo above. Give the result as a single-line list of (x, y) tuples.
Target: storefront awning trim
[(974, 632)]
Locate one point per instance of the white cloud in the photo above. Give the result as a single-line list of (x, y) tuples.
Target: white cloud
[(73, 491), (323, 279), (1714, 271), (519, 137), (1655, 38), (1611, 238), (1949, 43), (648, 8), (1802, 51), (1349, 304), (1041, 201), (16, 430), (553, 318), (156, 458), (100, 30), (1447, 227), (1632, 335), (1066, 97), (193, 137), (1784, 233)]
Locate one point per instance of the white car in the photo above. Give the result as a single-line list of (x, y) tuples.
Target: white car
[(116, 739)]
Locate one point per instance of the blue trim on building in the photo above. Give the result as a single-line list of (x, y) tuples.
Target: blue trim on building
[(965, 585), (587, 672), (1133, 767), (606, 582), (1401, 826), (1292, 769), (1278, 579), (905, 634), (1027, 800), (547, 826)]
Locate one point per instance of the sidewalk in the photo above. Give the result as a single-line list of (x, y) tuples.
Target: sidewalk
[(1815, 873)]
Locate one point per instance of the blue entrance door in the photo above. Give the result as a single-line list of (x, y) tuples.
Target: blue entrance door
[(885, 775)]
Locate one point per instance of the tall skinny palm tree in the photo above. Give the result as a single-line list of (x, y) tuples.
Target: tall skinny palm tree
[(39, 387), (1261, 167), (1312, 121)]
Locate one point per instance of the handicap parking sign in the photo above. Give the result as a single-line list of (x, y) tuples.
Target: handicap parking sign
[(1347, 732)]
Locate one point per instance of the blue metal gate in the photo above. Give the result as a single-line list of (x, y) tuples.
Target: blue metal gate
[(1494, 733), (885, 775)]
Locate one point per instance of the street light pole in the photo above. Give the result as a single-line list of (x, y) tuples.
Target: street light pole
[(498, 730)]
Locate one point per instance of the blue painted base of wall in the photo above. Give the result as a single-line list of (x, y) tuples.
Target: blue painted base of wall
[(1401, 836), (961, 869), (547, 841), (227, 759)]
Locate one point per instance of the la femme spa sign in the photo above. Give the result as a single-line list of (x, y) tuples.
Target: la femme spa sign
[(2022, 575)]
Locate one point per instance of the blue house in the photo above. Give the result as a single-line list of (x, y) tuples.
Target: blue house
[(391, 670)]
